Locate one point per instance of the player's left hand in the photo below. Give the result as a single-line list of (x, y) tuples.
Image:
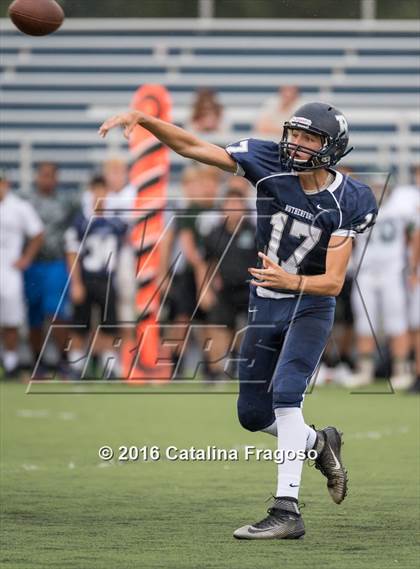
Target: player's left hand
[(413, 280), (271, 275), (22, 263)]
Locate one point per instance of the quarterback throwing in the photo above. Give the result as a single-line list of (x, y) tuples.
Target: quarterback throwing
[(307, 217)]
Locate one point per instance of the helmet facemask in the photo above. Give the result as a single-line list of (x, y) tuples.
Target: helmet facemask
[(317, 159)]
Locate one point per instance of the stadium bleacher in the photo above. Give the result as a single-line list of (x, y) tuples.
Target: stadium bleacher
[(56, 90)]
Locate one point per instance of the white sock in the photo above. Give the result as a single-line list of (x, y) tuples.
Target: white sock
[(310, 438), (291, 436), (310, 434), (109, 361), (367, 366), (76, 359), (401, 366), (10, 360)]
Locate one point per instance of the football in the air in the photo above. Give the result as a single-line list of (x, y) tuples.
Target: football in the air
[(36, 17)]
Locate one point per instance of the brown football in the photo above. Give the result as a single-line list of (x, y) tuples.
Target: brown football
[(36, 17)]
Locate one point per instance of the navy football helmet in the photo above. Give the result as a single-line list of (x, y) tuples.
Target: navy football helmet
[(327, 122)]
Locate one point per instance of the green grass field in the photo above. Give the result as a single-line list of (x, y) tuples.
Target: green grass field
[(64, 508)]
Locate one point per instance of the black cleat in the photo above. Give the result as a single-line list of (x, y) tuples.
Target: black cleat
[(12, 373), (283, 522), (328, 445), (415, 387)]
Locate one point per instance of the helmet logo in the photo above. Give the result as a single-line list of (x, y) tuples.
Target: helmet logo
[(300, 121), (343, 124)]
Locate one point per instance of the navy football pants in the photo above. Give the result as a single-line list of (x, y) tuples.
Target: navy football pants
[(280, 352)]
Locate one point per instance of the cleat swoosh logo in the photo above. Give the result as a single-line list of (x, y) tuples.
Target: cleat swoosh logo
[(337, 464), (251, 530)]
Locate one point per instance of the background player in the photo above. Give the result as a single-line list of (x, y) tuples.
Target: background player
[(306, 218), (46, 278), (230, 250), (92, 246), (201, 185), (414, 282), (382, 290), (21, 236)]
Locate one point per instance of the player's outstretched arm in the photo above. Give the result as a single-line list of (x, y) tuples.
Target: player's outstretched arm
[(178, 139)]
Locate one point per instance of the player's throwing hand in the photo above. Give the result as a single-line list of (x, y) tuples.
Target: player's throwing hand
[(127, 121)]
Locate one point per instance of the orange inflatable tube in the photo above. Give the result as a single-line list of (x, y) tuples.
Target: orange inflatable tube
[(150, 174)]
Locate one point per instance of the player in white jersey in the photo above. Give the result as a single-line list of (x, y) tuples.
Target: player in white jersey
[(415, 303), (121, 199), (412, 194), (380, 300), (18, 222)]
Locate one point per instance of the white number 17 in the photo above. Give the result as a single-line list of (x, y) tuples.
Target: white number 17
[(298, 229)]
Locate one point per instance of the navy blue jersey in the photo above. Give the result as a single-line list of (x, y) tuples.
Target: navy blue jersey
[(294, 227), (98, 241)]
